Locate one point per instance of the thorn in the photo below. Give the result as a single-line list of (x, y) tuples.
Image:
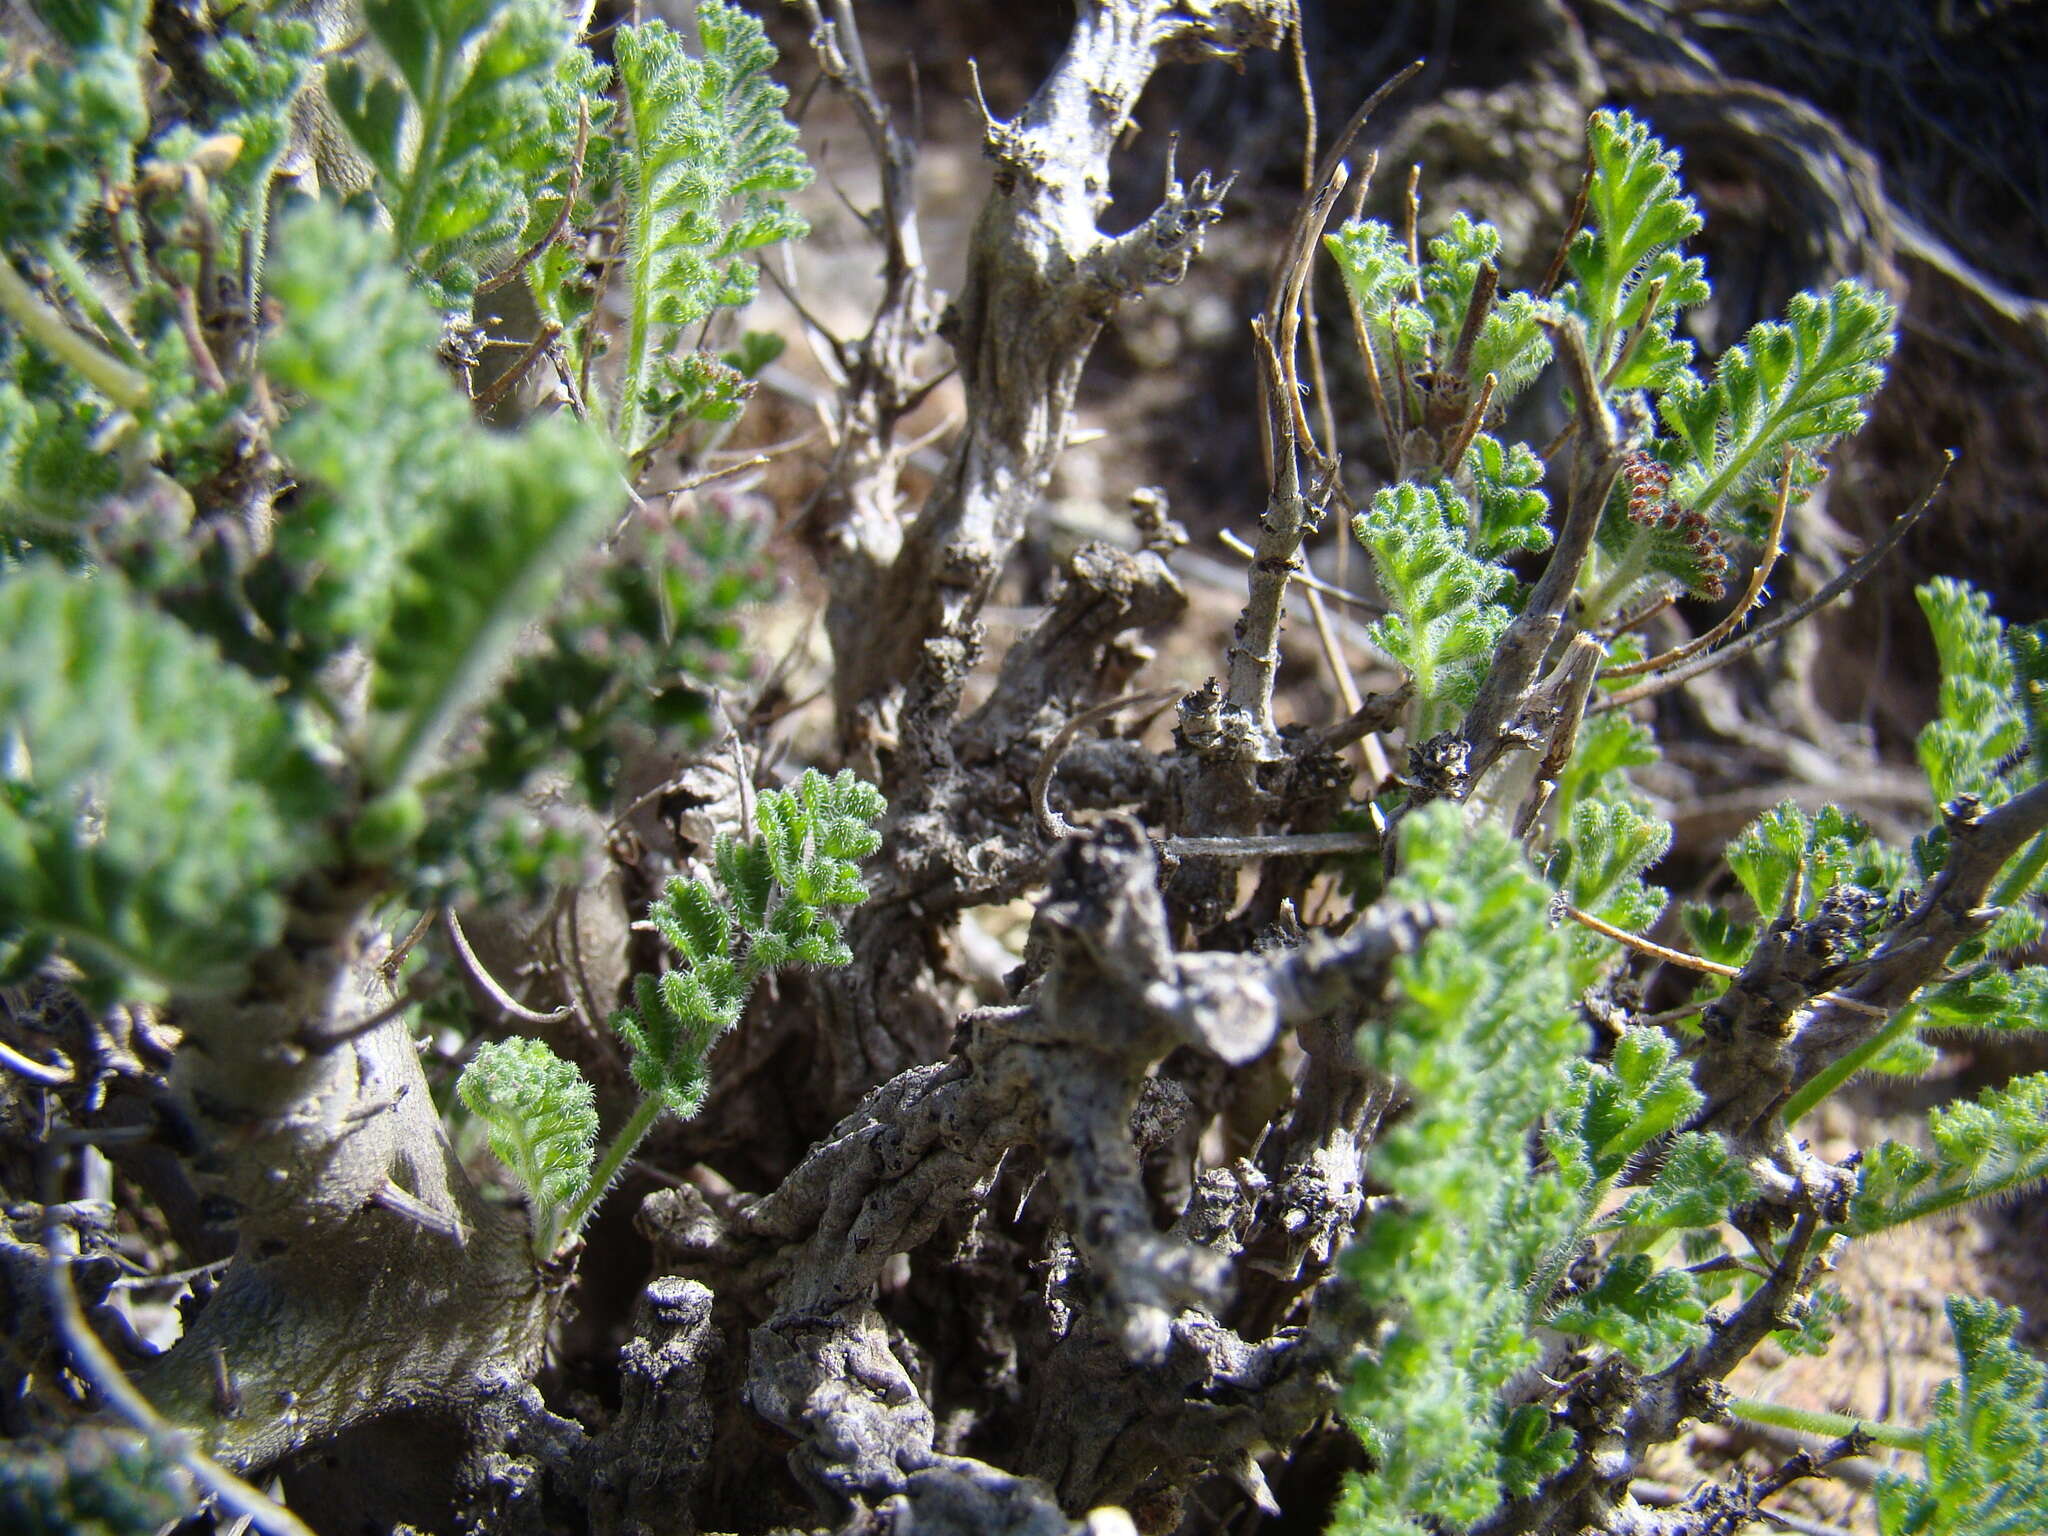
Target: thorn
[(401, 1203), (1243, 1469)]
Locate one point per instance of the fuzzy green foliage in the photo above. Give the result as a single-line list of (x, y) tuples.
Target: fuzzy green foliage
[(430, 536), (1441, 625), (152, 800), (1378, 275), (377, 430), (94, 1482), (468, 83), (108, 397), (500, 542), (261, 71), (541, 1117), (1828, 848), (1602, 852), (1610, 1114), (1645, 1314), (1986, 712), (707, 158), (53, 472), (1506, 481), (635, 642), (1982, 1149), (66, 121), (1988, 998), (1985, 1474), (1696, 1184), (1637, 218), (769, 908), (1511, 344), (1794, 386), (1608, 746), (1483, 1036)]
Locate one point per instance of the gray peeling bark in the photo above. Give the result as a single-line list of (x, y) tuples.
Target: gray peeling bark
[(1042, 280), (1058, 1076)]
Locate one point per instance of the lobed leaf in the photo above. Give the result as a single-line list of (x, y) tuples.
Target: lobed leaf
[(541, 1117), (152, 798), (1441, 625), (1994, 1145), (1984, 1471)]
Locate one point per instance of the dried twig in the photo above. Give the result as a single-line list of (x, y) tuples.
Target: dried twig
[(489, 983), (1848, 577), (1752, 595), (35, 1071), (1684, 961)]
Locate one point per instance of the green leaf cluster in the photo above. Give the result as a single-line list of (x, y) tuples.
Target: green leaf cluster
[(707, 158), (1981, 741), (430, 537), (1511, 344), (1441, 624), (1985, 1474), (541, 1118), (1511, 507), (1613, 1113), (1610, 839), (1793, 386), (67, 119), (1628, 256), (1483, 1038), (1994, 1145), (467, 83), (768, 908), (152, 800)]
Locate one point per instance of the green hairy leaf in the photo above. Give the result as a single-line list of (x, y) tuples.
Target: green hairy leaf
[(1511, 508), (1375, 266), (1698, 1182), (65, 121), (708, 156), (541, 1114), (1637, 216), (1798, 385), (765, 912), (1607, 844), (433, 538), (1985, 1474), (1994, 1145), (152, 798), (1617, 1108), (1643, 1313), (1441, 626), (1984, 714), (1511, 345), (1832, 847), (1484, 1040), (491, 560), (468, 81), (379, 427)]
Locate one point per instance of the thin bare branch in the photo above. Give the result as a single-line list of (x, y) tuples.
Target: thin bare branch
[(1054, 825), (490, 983), (1752, 595), (1844, 580)]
